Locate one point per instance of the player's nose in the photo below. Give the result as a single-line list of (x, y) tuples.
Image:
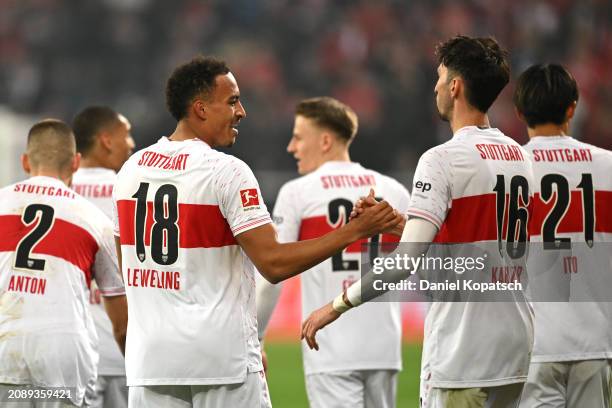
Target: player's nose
[(241, 112)]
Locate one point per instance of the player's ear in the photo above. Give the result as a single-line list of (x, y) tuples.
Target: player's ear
[(571, 110), (326, 142), (455, 87), (519, 114), (106, 140), (25, 163), (76, 162), (199, 109)]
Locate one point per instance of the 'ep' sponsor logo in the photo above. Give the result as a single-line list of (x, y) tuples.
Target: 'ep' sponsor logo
[(419, 185)]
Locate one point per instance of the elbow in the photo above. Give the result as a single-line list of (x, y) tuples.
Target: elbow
[(273, 269), (272, 275)]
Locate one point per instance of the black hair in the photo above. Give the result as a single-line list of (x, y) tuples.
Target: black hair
[(543, 93), (196, 77), (481, 63), (87, 123)]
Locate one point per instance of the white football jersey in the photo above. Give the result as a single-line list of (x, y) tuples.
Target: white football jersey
[(190, 287), (54, 243), (474, 344), (311, 206), (96, 184), (572, 201)]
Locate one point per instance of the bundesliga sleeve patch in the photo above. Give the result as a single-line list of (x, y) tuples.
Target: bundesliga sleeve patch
[(249, 197)]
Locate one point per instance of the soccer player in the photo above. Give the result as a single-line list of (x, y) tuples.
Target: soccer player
[(475, 354), (362, 372), (191, 223), (54, 243), (103, 139), (570, 364)]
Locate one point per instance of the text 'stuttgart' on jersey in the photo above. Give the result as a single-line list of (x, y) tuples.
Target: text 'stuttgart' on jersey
[(190, 287), (96, 185), (455, 187), (311, 206), (571, 208), (54, 242)]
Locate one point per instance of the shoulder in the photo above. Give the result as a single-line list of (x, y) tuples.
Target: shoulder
[(388, 181), (440, 155)]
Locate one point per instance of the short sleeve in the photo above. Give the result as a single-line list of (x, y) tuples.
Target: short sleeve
[(115, 215), (286, 214), (240, 199), (106, 269), (431, 188)]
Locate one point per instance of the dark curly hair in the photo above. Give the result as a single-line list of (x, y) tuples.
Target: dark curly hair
[(481, 63), (543, 93), (196, 77)]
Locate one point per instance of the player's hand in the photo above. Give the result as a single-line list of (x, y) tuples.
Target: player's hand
[(376, 219), (315, 322), (362, 204)]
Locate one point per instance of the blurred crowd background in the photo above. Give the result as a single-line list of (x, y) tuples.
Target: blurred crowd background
[(57, 56)]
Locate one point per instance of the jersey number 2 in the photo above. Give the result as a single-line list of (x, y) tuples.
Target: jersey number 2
[(165, 231), (24, 248)]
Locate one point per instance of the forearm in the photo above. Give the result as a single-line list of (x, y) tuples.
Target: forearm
[(415, 242), (116, 309), (266, 297), (290, 259)]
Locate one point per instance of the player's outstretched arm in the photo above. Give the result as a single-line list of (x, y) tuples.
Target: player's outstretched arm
[(277, 262), (418, 231), (116, 308), (369, 201)]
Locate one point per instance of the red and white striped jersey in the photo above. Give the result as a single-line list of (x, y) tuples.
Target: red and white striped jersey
[(311, 206), (54, 242), (571, 208), (456, 184), (96, 185), (190, 287)]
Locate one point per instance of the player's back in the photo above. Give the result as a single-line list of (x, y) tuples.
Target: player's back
[(190, 287), (475, 189), (570, 257), (96, 185), (312, 206), (54, 241)]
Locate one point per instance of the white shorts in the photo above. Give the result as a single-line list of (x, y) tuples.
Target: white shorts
[(568, 384), (110, 391), (7, 391), (503, 396), (359, 388), (253, 393)]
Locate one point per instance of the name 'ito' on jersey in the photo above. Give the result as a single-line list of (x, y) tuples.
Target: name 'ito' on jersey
[(318, 203), (54, 242), (190, 287)]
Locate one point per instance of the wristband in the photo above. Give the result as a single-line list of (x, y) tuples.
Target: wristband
[(341, 305)]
